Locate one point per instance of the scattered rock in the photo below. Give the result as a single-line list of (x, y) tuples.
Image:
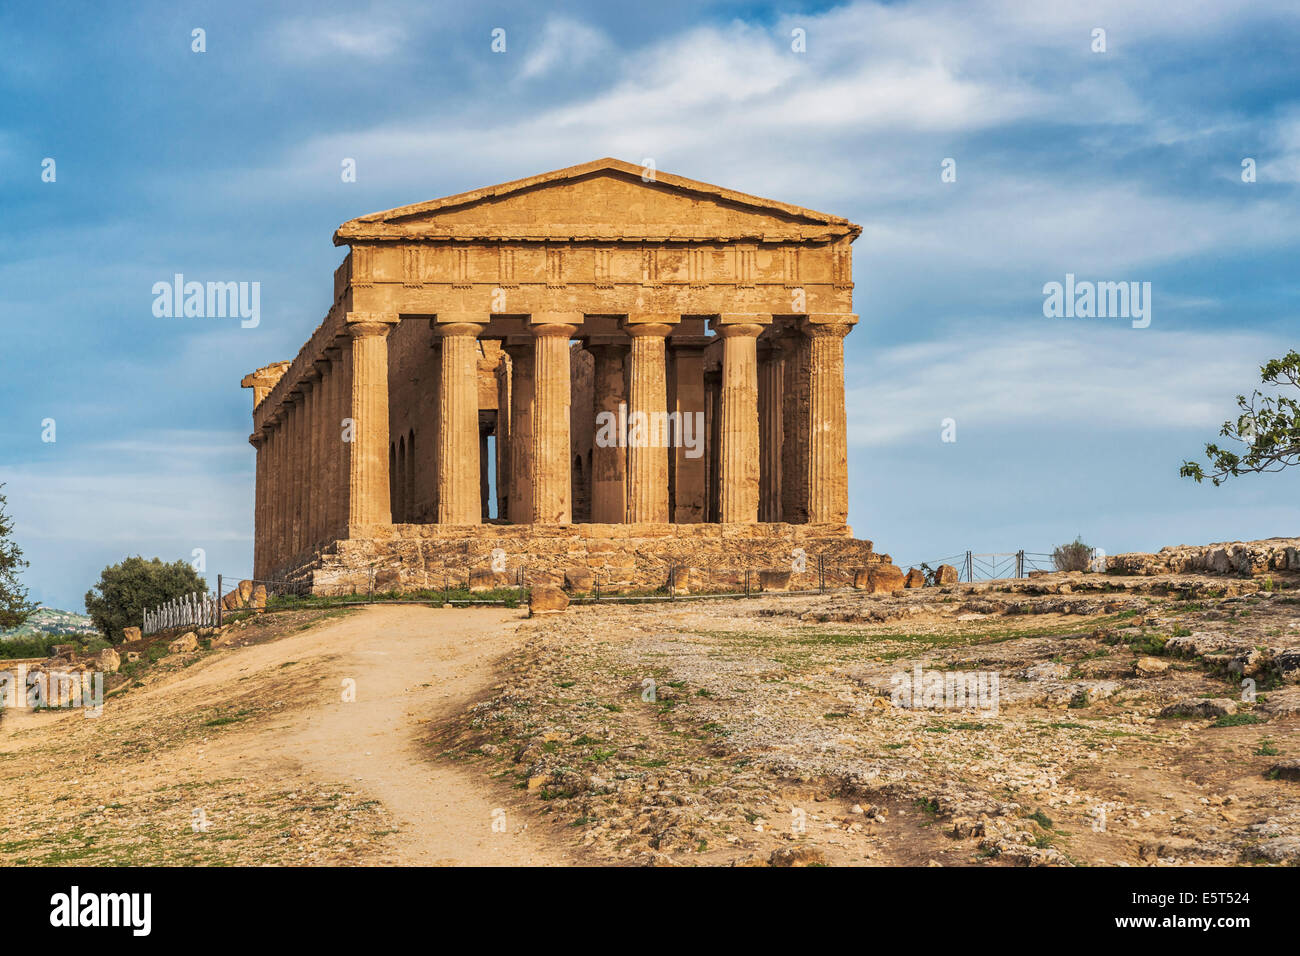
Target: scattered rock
[(130, 634), (188, 641), (108, 661), (1204, 708), (545, 599), (1150, 666), (796, 856), (1288, 769)]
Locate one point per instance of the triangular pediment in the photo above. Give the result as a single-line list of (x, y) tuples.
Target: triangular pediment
[(603, 200)]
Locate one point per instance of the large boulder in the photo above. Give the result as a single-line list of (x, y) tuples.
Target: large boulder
[(188, 641), (945, 574), (258, 600), (545, 599), (108, 661), (884, 579), (130, 634), (915, 578)]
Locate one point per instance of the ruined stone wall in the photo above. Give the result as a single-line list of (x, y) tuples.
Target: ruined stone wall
[(1232, 557), (413, 557)]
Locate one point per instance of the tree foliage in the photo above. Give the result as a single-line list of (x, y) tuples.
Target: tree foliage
[(14, 607), (1268, 429), (126, 590)]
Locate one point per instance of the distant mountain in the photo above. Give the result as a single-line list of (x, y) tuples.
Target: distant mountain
[(48, 620)]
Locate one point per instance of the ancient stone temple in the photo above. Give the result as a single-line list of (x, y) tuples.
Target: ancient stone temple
[(599, 372)]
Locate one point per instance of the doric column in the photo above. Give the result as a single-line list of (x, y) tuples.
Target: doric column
[(258, 441), (794, 430), (520, 492), (828, 479), (271, 427), (771, 400), (647, 416), (336, 458), (320, 454), (312, 451), (552, 484), (459, 497), (688, 461), (294, 472), (503, 438), (368, 502), (738, 424), (608, 456)]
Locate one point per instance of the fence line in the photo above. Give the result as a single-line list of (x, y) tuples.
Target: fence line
[(996, 565), (188, 610), (208, 610)]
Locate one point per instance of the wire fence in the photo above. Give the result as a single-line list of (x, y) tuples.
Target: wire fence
[(972, 566), (815, 574)]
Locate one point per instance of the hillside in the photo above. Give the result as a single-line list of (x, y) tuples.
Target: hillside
[(48, 620)]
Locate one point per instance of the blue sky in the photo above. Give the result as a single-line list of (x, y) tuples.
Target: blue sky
[(1122, 165)]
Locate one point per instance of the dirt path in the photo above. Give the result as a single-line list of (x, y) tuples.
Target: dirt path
[(411, 665)]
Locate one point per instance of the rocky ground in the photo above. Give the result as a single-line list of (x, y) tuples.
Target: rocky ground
[(1146, 720)]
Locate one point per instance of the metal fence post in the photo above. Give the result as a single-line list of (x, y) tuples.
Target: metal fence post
[(218, 600)]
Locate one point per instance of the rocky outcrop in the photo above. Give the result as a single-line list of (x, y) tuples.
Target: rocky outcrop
[(1244, 558)]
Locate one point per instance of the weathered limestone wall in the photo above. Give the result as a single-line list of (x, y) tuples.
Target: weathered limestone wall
[(1229, 557), (413, 557)]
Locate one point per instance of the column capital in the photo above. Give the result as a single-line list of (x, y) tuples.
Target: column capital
[(362, 324), (656, 330), (819, 324), (322, 365), (556, 318), (256, 439), (740, 318), (460, 318), (554, 330), (738, 330), (651, 318), (447, 330), (310, 376)]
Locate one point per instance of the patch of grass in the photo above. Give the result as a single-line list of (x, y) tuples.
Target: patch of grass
[(1237, 720), (1266, 748), (928, 806), (1042, 819)]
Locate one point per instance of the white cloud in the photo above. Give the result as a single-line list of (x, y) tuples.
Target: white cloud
[(1080, 373), (564, 43), (305, 39)]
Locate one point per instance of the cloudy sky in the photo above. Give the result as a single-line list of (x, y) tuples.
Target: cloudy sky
[(1122, 165)]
